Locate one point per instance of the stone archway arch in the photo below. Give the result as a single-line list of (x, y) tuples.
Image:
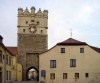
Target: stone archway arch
[(32, 73)]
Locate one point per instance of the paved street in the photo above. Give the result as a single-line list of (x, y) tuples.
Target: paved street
[(25, 82)]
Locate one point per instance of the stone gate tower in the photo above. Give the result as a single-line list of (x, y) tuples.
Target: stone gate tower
[(32, 38)]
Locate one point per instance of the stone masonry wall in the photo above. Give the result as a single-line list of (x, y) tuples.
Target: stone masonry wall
[(29, 47)]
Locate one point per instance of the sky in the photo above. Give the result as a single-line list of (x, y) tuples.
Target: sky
[(82, 16)]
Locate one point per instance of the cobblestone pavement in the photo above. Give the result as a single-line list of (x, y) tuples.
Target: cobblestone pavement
[(26, 82)]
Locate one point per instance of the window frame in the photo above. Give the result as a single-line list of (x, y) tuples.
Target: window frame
[(65, 77), (52, 76), (9, 60), (81, 50), (72, 62), (62, 50), (76, 75), (6, 59), (0, 56), (7, 75), (43, 73), (52, 63)]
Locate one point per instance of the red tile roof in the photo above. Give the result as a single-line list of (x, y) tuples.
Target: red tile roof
[(13, 50), (72, 41), (95, 48)]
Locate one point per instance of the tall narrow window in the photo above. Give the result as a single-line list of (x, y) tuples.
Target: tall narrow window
[(81, 50), (41, 31), (0, 56), (52, 76), (26, 22), (38, 22), (43, 73), (6, 75), (53, 63), (64, 75), (23, 30), (9, 60), (76, 75), (62, 50), (6, 59), (9, 75), (72, 62)]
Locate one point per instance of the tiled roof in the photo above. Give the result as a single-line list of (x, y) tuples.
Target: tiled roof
[(95, 48), (71, 41), (13, 50)]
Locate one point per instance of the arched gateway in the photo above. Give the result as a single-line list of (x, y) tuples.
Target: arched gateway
[(32, 74), (32, 38)]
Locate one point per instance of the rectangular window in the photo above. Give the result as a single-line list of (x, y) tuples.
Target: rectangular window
[(72, 62), (53, 63), (23, 30), (86, 75), (64, 75), (62, 50), (43, 73), (76, 75), (52, 76), (7, 59), (26, 22), (9, 75), (6, 75), (81, 50), (38, 22), (0, 56)]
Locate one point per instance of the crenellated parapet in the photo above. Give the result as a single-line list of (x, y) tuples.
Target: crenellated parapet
[(26, 12)]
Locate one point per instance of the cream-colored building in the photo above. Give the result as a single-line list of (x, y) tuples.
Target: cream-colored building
[(16, 74), (70, 61), (10, 70), (5, 63)]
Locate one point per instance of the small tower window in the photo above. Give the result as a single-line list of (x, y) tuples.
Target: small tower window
[(41, 31), (38, 22), (23, 30), (26, 22), (32, 20)]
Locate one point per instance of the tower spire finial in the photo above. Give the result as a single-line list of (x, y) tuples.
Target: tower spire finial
[(70, 32)]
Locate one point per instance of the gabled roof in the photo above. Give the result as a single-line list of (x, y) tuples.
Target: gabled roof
[(13, 50), (6, 48), (71, 41)]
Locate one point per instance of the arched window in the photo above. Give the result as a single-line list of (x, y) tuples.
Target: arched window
[(0, 56)]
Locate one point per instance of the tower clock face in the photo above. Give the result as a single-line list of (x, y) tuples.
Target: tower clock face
[(33, 29)]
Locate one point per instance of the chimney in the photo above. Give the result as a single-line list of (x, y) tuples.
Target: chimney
[(1, 38)]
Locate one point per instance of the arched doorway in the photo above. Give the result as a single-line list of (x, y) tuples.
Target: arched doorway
[(32, 74)]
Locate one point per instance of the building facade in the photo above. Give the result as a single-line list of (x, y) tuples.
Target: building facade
[(70, 61), (16, 73), (32, 38), (5, 63), (10, 70)]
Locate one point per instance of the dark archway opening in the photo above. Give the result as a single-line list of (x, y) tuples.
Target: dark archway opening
[(32, 74)]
